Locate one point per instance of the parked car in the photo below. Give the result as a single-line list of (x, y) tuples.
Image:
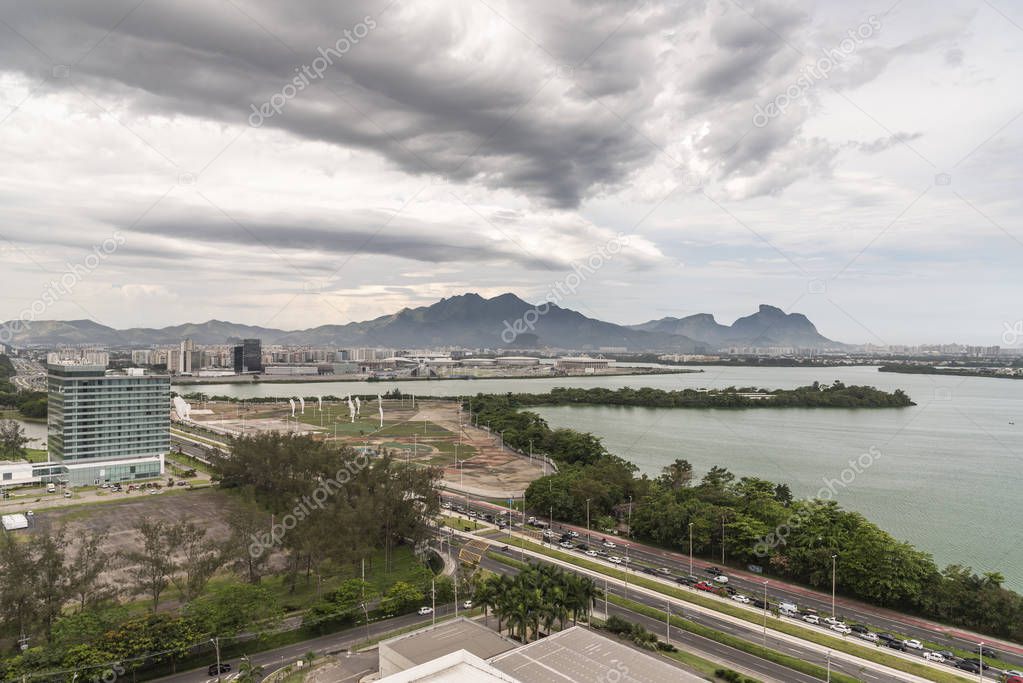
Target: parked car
[(567, 545), (739, 597), (591, 553), (812, 619), (841, 628), (895, 644), (934, 657), (913, 644), (224, 668), (721, 578), (704, 586), (868, 636), (424, 610), (608, 544), (614, 559), (831, 621), (67, 494), (968, 665)]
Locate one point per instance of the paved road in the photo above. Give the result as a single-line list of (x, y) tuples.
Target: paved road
[(850, 610), (330, 644), (712, 649)]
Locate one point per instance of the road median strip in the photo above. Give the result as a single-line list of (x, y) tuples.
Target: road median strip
[(873, 655)]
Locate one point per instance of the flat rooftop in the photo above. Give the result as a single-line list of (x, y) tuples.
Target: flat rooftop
[(430, 643), (578, 654)]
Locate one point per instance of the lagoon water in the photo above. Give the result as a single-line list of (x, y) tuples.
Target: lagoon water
[(948, 478)]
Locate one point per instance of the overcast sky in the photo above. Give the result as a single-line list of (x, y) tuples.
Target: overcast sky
[(301, 163)]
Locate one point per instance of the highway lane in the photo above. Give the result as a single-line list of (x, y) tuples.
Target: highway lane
[(717, 651), (751, 584)]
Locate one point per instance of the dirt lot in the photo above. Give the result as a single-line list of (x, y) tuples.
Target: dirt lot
[(430, 433)]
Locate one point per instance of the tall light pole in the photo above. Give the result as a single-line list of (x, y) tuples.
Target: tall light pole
[(980, 676), (690, 548), (829, 666), (834, 564), (216, 646), (765, 613), (630, 516), (722, 539), (587, 523)]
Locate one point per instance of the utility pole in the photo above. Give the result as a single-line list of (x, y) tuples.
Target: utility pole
[(980, 675), (433, 600)]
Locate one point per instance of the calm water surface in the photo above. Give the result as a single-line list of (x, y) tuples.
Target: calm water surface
[(948, 479)]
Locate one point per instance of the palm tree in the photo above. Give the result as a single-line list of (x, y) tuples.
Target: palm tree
[(486, 597)]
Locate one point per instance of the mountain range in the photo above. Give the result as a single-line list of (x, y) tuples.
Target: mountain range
[(467, 320)]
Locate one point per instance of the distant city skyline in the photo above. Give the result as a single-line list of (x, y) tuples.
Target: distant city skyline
[(291, 167)]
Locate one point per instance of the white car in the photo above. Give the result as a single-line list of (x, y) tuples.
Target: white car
[(721, 579), (831, 621), (812, 619), (867, 635), (573, 534), (841, 628), (740, 598), (424, 610), (614, 559), (609, 544), (913, 644), (467, 604), (591, 553), (566, 544), (934, 657)]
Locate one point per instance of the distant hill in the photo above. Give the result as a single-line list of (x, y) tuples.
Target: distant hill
[(468, 320), (769, 326)]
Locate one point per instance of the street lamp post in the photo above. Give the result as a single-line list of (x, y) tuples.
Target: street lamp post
[(834, 564), (765, 613), (690, 548), (216, 646), (587, 523), (980, 675)]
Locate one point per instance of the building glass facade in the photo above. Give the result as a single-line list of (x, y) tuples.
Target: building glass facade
[(96, 416)]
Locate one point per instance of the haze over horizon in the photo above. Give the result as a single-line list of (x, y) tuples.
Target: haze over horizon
[(487, 147)]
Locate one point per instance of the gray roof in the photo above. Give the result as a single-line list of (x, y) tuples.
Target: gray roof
[(430, 643), (578, 654)]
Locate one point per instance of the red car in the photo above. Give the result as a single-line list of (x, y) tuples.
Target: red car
[(704, 586)]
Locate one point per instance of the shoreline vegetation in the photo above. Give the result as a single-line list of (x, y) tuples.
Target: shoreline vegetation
[(751, 520), (965, 371), (816, 395)]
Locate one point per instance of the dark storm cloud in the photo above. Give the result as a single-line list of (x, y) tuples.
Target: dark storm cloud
[(400, 90)]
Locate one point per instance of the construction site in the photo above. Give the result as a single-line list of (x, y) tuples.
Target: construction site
[(431, 432)]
